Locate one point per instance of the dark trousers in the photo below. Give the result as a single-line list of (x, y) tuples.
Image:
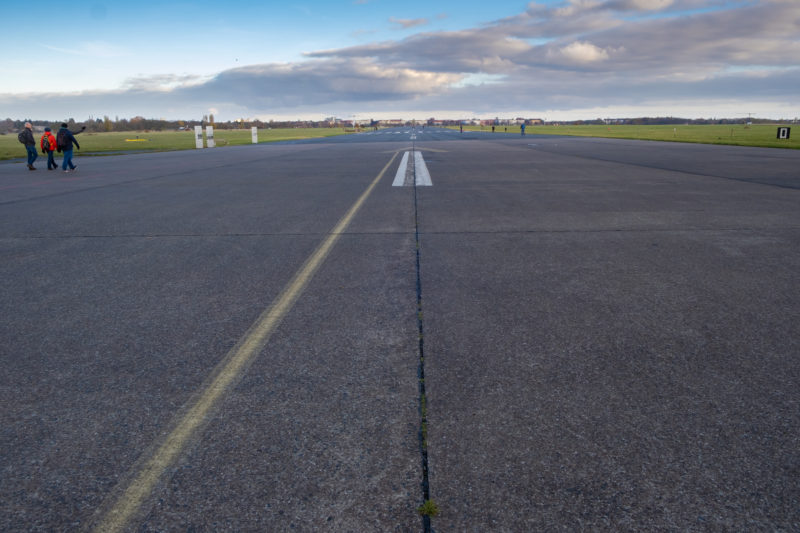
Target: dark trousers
[(31, 148)]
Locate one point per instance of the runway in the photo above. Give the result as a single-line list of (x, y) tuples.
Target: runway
[(607, 331)]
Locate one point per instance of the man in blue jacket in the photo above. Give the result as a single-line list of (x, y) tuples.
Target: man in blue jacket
[(64, 141)]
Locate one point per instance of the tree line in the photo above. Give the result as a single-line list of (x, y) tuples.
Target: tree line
[(106, 124)]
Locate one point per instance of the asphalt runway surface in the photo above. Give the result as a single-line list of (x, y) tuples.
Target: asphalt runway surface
[(233, 339)]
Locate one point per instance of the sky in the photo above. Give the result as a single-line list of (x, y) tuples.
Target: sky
[(387, 59)]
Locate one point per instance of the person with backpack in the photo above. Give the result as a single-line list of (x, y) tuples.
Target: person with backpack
[(64, 141), (48, 144), (26, 138)]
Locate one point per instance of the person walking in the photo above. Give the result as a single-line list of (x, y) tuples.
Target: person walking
[(48, 145), (522, 129), (64, 142), (26, 138)]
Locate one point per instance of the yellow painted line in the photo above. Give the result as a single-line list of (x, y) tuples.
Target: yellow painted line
[(232, 367)]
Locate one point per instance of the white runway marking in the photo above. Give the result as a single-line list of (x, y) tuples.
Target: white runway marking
[(421, 171), (400, 177), (407, 175)]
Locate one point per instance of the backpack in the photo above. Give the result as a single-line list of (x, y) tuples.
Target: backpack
[(46, 143), (61, 139), (21, 137)]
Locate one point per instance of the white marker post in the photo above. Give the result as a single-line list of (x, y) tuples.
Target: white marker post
[(198, 136), (254, 133), (210, 136)]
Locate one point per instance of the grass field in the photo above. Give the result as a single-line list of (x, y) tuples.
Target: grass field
[(160, 141), (116, 142), (764, 135)]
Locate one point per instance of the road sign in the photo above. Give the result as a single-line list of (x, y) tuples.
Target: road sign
[(783, 133), (198, 136)]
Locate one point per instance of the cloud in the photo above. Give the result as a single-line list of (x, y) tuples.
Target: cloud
[(321, 82), (162, 82), (468, 51), (408, 23), (641, 5), (578, 54), (576, 6)]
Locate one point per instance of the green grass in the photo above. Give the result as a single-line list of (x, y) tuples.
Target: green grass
[(161, 141), (763, 135), (428, 508), (114, 142)]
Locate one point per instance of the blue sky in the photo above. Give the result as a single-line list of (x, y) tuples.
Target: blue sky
[(554, 59), (101, 44)]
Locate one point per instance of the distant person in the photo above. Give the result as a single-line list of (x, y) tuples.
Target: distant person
[(26, 138), (48, 144), (461, 128), (492, 129), (64, 141), (522, 129)]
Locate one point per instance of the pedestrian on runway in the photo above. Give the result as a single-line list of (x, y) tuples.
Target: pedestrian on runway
[(522, 129), (26, 138), (64, 142), (48, 144)]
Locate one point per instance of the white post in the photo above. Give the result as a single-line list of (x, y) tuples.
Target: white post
[(254, 133), (210, 136), (198, 136)]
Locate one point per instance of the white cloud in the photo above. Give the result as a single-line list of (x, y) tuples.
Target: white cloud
[(579, 52), (163, 82)]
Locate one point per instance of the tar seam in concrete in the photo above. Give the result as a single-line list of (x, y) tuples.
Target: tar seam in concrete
[(423, 403)]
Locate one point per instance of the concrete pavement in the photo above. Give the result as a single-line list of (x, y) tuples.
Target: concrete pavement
[(610, 334)]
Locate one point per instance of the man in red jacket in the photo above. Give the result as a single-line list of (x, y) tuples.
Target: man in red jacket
[(49, 148)]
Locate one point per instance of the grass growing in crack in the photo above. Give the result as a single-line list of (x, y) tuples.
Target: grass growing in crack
[(429, 508)]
